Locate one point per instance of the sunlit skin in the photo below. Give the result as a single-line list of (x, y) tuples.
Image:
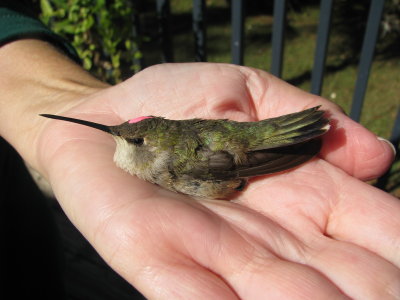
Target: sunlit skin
[(317, 232)]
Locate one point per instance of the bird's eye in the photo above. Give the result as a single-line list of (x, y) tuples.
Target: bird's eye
[(136, 141)]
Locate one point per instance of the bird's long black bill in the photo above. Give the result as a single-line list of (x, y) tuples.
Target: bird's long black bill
[(78, 121)]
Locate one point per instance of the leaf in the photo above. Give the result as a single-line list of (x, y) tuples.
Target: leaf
[(46, 8), (100, 30)]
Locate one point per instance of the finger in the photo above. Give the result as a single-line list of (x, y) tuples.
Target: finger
[(368, 217), (161, 263), (352, 268), (319, 197), (267, 267), (172, 276), (347, 145), (356, 150)]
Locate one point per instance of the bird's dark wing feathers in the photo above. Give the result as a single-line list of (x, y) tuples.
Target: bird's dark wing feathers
[(221, 166), (279, 159), (293, 129)]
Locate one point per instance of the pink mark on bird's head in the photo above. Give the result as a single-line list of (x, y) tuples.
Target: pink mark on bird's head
[(135, 120)]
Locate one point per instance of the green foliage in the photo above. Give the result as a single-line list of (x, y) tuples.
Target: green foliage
[(101, 31)]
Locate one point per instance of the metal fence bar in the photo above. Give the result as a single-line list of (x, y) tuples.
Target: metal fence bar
[(324, 26), (237, 17), (367, 54), (199, 30), (278, 35), (395, 140), (136, 32), (163, 15)]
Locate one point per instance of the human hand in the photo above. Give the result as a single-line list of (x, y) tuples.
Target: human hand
[(313, 232)]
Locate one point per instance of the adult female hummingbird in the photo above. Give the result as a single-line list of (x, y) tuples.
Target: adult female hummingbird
[(212, 158)]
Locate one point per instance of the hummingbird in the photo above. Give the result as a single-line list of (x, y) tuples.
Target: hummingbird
[(212, 158)]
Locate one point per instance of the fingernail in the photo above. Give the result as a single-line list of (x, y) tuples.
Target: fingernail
[(389, 143)]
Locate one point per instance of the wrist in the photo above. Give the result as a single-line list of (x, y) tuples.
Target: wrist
[(36, 78)]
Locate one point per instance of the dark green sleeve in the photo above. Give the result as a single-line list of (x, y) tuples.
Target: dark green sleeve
[(16, 25)]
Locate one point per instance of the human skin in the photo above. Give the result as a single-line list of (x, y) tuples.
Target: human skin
[(315, 232)]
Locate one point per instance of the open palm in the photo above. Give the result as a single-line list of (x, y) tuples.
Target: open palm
[(313, 232)]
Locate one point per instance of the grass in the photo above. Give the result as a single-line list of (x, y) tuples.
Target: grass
[(383, 94)]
